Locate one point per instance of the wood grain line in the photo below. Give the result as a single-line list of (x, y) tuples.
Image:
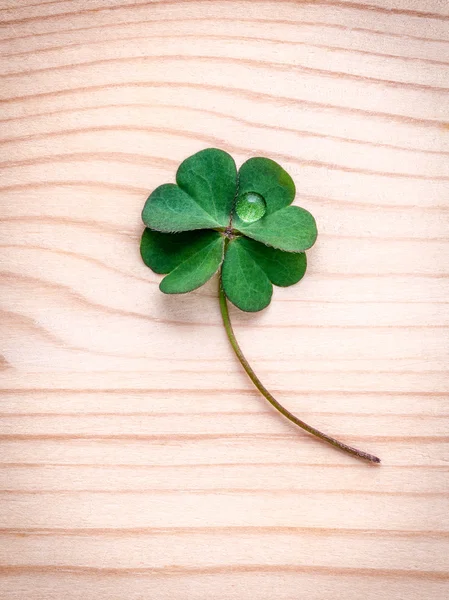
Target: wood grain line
[(220, 413), (143, 159), (244, 92), (328, 3), (146, 467), (31, 5), (228, 116), (266, 21), (176, 437), (79, 256), (24, 322), (245, 38), (80, 299), (223, 491), (209, 391), (225, 531), (227, 60), (176, 571)]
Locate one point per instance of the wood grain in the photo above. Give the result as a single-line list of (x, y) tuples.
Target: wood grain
[(136, 460)]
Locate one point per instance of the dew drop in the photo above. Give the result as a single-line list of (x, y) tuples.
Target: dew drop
[(251, 207)]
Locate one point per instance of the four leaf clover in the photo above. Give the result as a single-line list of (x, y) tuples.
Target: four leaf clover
[(242, 222)]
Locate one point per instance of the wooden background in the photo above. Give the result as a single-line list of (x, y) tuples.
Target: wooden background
[(137, 461)]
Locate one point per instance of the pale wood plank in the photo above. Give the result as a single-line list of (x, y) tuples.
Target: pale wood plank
[(136, 461)]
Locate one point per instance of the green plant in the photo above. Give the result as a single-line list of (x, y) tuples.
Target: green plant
[(241, 224)]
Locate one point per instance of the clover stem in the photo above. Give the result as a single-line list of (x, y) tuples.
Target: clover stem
[(263, 390)]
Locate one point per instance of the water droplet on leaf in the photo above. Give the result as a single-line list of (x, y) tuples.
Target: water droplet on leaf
[(251, 207)]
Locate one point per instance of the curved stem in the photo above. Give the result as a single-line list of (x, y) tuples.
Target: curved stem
[(263, 390)]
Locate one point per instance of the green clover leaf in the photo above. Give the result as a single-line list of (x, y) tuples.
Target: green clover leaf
[(202, 199), (234, 208), (190, 258), (241, 224)]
